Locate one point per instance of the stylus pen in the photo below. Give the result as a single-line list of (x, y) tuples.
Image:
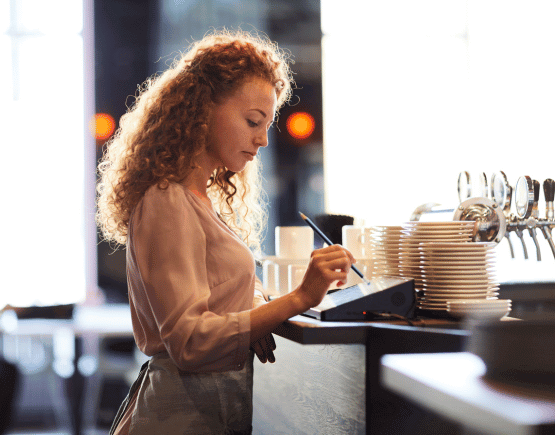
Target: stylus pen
[(329, 242)]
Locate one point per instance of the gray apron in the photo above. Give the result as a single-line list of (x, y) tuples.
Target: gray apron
[(173, 402)]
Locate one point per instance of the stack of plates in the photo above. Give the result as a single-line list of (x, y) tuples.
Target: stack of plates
[(490, 308), (385, 245), (415, 233), (455, 271)]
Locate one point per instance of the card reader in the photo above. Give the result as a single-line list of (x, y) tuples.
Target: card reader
[(384, 294)]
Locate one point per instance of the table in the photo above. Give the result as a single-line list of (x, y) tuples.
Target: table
[(453, 385), (101, 321)]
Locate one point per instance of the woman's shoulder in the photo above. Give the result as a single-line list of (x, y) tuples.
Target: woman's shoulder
[(169, 192), (173, 195), (167, 204)]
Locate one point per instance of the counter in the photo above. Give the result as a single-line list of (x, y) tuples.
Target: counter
[(455, 385), (326, 377)]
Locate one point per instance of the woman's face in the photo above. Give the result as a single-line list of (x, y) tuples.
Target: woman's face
[(239, 125)]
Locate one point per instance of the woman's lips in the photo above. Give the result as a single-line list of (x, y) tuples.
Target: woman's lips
[(250, 155)]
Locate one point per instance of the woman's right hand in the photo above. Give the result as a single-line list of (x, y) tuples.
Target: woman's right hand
[(326, 266)]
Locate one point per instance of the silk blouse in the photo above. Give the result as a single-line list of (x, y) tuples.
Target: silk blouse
[(191, 282)]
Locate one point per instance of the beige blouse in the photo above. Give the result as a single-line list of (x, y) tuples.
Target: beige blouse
[(191, 282)]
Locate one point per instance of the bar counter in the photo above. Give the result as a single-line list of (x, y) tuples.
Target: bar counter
[(326, 377)]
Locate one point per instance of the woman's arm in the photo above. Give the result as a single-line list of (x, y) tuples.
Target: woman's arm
[(326, 266)]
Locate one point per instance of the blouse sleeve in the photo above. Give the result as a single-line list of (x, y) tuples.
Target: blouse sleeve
[(258, 294), (170, 248)]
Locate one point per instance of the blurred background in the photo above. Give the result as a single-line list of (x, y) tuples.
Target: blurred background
[(394, 98)]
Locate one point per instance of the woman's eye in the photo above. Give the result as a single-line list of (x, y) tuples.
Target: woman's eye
[(252, 123)]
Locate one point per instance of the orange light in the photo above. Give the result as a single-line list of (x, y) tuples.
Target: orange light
[(102, 126), (300, 125)]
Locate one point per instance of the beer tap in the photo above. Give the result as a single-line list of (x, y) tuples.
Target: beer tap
[(532, 221), (490, 208), (549, 191), (484, 190), (502, 193), (464, 186), (524, 203)]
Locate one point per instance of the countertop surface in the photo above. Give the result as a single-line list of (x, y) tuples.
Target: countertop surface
[(453, 385), (306, 330)]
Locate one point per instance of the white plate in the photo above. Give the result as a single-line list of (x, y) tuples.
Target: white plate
[(456, 252), (437, 238), (430, 298), (458, 259), (456, 273), (437, 224), (459, 245), (463, 268), (466, 267), (444, 304), (385, 228), (437, 234), (426, 307), (454, 296), (480, 303), (431, 230), (390, 235), (460, 284), (448, 286)]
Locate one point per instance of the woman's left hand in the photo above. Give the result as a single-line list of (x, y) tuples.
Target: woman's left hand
[(264, 349)]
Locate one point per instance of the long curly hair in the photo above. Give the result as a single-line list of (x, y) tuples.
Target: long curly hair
[(164, 132)]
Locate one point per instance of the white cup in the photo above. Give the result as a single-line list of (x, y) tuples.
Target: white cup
[(282, 273), (269, 277), (294, 242), (295, 274), (357, 241)]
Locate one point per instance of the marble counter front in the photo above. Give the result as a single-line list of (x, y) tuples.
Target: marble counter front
[(326, 377)]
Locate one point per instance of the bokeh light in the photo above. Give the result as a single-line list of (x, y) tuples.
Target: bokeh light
[(102, 126), (300, 125)]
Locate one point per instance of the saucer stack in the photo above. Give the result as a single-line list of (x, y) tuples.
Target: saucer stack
[(415, 233), (457, 271), (385, 245)]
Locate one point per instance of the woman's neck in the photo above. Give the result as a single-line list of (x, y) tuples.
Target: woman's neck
[(198, 180)]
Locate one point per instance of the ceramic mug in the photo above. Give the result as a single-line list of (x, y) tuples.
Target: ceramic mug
[(269, 277), (295, 274), (294, 242), (357, 241)]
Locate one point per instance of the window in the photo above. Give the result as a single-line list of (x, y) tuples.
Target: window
[(43, 176), (416, 92)]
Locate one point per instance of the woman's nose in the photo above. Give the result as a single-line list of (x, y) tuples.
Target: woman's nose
[(262, 140)]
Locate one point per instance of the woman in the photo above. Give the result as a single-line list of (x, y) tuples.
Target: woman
[(179, 187)]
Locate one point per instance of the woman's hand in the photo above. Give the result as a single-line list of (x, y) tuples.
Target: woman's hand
[(326, 266), (264, 349)]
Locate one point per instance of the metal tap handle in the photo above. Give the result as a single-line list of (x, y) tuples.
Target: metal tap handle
[(521, 237), (532, 232), (549, 189), (507, 234), (535, 210), (536, 190), (547, 234)]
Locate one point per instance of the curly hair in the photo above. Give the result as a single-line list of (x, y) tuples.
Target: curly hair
[(164, 132)]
